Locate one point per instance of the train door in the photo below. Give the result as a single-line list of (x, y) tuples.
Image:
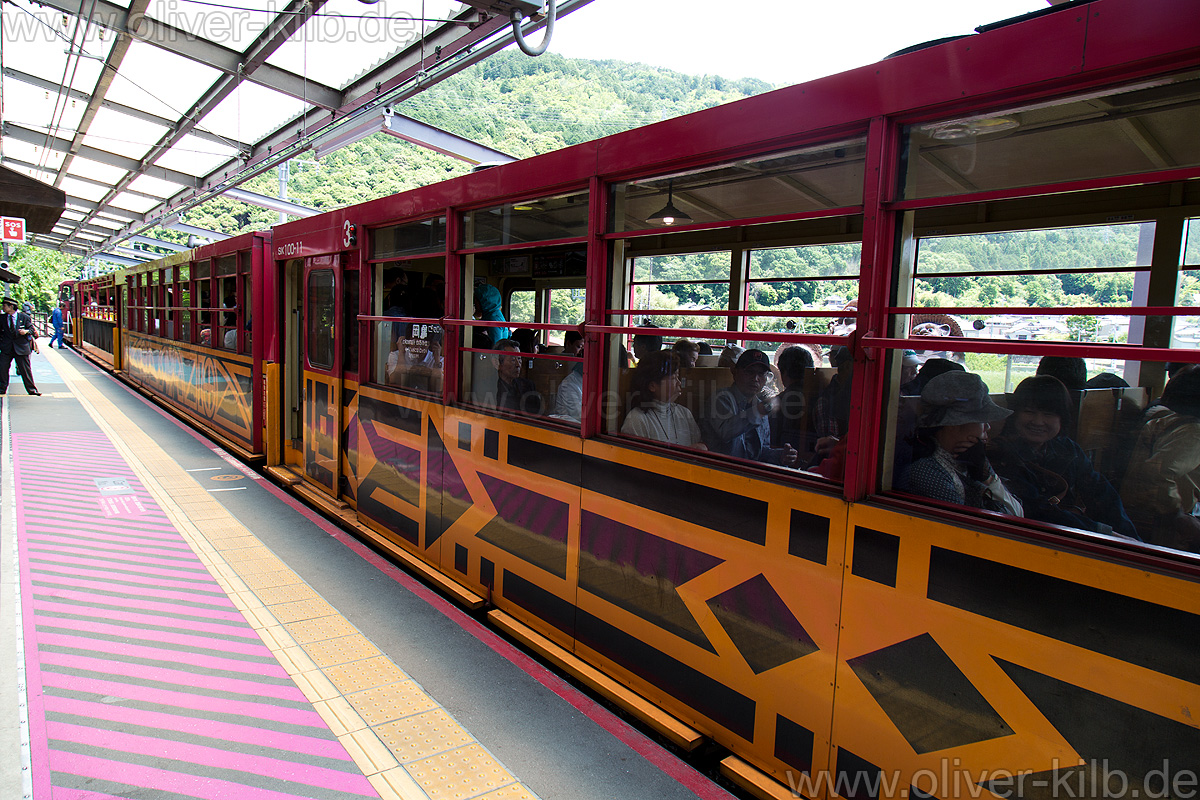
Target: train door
[(320, 366)]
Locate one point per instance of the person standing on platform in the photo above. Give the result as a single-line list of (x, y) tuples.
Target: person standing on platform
[(16, 343), (56, 319)]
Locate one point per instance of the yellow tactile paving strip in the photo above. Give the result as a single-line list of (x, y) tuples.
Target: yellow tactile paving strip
[(402, 740)]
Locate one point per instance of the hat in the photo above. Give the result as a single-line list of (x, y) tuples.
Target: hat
[(8, 301), (753, 358), (958, 398), (911, 359)]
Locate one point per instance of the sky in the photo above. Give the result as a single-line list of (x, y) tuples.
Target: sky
[(780, 41)]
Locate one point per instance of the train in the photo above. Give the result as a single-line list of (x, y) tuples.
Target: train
[(829, 631)]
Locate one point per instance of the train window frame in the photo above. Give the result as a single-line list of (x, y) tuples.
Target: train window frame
[(319, 341)]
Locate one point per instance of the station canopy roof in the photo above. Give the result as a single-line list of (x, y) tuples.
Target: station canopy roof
[(140, 110)]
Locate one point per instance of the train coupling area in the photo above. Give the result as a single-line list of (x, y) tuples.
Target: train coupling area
[(183, 628)]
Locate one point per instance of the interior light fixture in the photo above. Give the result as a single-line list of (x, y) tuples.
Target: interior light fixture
[(966, 129), (669, 214)]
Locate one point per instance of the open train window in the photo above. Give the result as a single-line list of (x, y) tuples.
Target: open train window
[(1055, 142), (822, 177)]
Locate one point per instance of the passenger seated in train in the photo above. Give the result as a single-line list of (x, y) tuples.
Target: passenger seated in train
[(1071, 371), (512, 391), (1047, 470), (910, 365), (950, 462), (654, 414), (1106, 380), (906, 415), (790, 423), (488, 307), (730, 354), (1162, 484), (568, 399), (572, 343), (831, 419), (738, 423), (644, 343), (527, 339), (688, 352), (230, 339)]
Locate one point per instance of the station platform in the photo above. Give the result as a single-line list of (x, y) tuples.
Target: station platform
[(183, 628)]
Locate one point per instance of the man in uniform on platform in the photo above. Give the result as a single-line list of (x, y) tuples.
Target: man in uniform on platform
[(16, 343)]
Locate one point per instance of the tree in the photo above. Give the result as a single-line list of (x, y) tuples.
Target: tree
[(41, 273)]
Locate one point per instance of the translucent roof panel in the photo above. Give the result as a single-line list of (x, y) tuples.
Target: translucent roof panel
[(232, 25), (250, 112), (87, 168), (36, 42), (32, 107), (132, 202), (361, 35), (32, 154), (160, 83), (125, 136), (154, 186), (196, 156), (85, 191)]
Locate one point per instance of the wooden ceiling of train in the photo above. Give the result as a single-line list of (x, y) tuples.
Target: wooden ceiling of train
[(142, 109)]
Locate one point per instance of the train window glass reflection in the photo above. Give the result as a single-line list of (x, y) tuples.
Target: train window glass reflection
[(544, 219), (1092, 267), (320, 318), (1055, 142), (1113, 459), (413, 238), (409, 354), (824, 176), (1191, 247)]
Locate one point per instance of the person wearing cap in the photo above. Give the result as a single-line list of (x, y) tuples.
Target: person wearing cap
[(956, 415), (739, 419), (16, 343)]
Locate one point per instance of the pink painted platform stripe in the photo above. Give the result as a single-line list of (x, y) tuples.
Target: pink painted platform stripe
[(97, 584), (199, 787), (180, 678), (194, 754), (144, 678), (240, 710), (60, 581), (130, 633), (182, 612), (116, 535), (182, 583), (231, 629), (111, 544), (270, 670), (202, 727)]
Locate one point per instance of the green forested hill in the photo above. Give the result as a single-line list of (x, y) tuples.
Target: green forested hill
[(519, 105)]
